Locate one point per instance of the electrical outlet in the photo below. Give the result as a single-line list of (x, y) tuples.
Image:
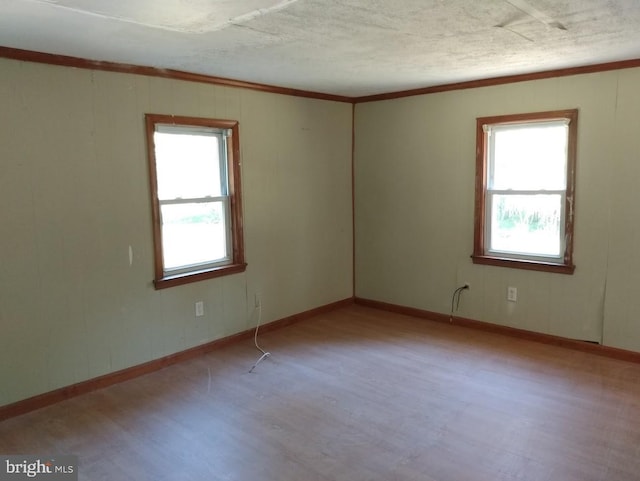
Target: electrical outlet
[(257, 300), (199, 309), (512, 294)]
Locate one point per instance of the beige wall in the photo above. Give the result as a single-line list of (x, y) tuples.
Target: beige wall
[(74, 196), (415, 167), (74, 193)]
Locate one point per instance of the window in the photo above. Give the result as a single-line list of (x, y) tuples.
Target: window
[(194, 167), (525, 180)]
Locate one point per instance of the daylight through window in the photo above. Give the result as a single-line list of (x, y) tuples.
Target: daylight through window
[(524, 191), (195, 187)]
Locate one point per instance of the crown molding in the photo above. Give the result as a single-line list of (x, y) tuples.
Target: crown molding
[(507, 79), (76, 62)]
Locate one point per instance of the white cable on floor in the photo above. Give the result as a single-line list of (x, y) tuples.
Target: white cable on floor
[(255, 340)]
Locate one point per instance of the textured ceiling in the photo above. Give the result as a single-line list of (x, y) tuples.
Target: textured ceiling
[(342, 47)]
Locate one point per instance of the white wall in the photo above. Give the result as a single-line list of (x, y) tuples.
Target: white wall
[(415, 168), (74, 194)]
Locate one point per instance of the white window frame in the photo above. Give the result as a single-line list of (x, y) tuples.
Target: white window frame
[(222, 135)]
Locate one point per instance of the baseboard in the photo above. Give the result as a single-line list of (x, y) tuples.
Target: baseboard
[(606, 351), (36, 402)]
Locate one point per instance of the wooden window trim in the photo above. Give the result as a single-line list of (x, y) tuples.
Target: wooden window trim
[(238, 264), (479, 255)]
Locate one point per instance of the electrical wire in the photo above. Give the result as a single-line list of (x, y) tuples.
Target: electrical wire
[(265, 354), (455, 300)]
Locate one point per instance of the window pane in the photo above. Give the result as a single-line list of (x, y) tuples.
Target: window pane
[(531, 157), (193, 234), (526, 224), (187, 165)]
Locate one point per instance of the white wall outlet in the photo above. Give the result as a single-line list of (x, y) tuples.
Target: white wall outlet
[(257, 300), (199, 309), (512, 294)]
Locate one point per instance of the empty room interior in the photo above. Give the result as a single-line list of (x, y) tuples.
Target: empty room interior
[(426, 228)]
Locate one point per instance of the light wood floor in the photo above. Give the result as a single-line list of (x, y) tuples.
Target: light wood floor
[(356, 394)]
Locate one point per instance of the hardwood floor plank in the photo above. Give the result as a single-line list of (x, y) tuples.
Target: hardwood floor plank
[(356, 394)]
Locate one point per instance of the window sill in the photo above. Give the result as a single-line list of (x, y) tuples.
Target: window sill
[(524, 264), (180, 279)]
